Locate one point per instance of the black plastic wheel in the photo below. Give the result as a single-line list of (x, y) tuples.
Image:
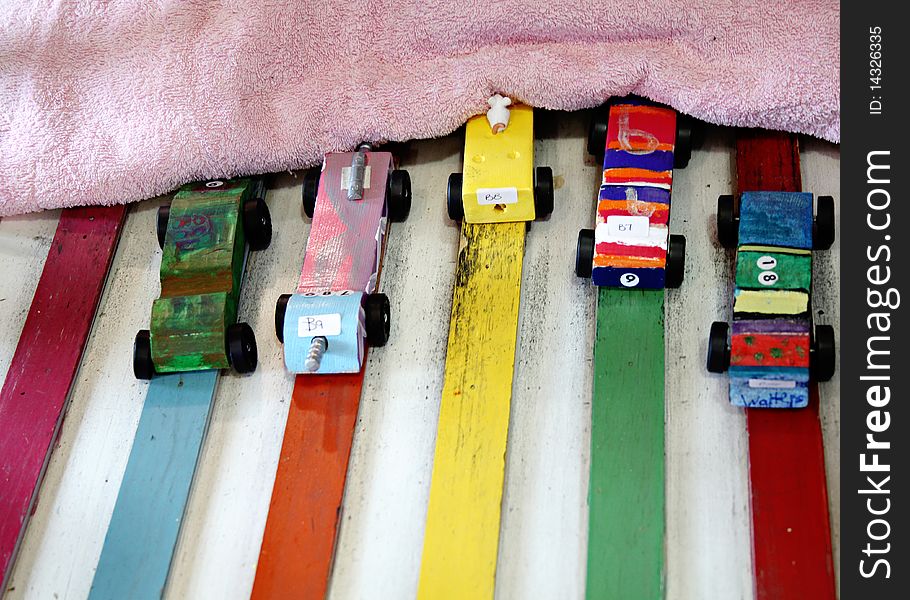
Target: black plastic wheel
[(377, 319), (682, 150), (310, 190), (823, 354), (164, 213), (257, 224), (281, 308), (718, 348), (597, 132), (823, 228), (584, 253), (543, 192), (143, 367), (454, 202), (241, 347), (398, 195), (727, 222), (676, 261)]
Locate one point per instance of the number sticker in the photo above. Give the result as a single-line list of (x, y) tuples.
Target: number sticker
[(767, 278), (766, 263), (486, 196), (315, 325), (214, 184), (629, 279)]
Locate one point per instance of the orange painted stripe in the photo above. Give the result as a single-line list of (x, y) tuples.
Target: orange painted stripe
[(627, 174), (615, 145), (609, 260), (295, 560)]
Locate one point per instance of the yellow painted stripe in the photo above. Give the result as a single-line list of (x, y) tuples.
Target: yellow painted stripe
[(779, 249), (776, 302), (462, 532)]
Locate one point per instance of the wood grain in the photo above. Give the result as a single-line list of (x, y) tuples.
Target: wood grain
[(626, 495), (462, 531), (37, 386), (791, 532)]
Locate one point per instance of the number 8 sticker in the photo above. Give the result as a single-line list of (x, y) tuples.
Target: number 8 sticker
[(767, 278)]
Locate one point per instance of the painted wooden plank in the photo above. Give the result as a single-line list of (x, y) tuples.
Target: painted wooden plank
[(791, 532), (299, 540), (626, 495), (37, 386), (462, 528), (143, 531)]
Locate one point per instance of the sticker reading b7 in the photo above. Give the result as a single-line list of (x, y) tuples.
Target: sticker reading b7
[(488, 196), (316, 325)]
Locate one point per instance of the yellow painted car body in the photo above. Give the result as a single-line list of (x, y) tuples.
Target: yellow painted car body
[(498, 185)]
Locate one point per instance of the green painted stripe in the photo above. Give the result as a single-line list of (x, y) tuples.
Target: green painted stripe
[(790, 271), (626, 496)]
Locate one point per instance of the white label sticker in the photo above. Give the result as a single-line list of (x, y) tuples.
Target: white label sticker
[(628, 226), (313, 325), (497, 195), (771, 384), (629, 279), (767, 278), (346, 177), (766, 263)]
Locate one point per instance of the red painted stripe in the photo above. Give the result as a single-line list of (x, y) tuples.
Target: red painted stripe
[(659, 122), (770, 350), (628, 250), (656, 215), (791, 532), (44, 366)]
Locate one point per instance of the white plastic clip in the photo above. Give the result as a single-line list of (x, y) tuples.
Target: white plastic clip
[(498, 115)]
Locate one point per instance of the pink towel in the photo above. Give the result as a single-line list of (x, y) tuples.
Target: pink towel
[(113, 101)]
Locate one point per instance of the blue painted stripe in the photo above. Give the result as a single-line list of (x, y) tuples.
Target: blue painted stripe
[(143, 531), (776, 219), (648, 278), (645, 194), (659, 160)]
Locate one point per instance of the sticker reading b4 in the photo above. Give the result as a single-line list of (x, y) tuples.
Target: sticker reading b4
[(497, 195), (316, 325)]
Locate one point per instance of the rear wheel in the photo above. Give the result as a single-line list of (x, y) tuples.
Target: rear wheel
[(727, 223), (310, 190), (676, 262), (281, 308), (543, 192), (823, 353), (143, 367), (164, 213), (718, 348), (584, 253), (257, 224), (824, 232), (454, 202), (377, 319), (241, 347), (398, 195)]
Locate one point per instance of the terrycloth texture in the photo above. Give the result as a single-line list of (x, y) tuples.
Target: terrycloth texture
[(119, 100)]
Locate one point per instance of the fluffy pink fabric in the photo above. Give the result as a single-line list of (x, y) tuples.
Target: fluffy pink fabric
[(113, 101)]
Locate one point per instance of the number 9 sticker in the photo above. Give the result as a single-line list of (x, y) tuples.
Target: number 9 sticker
[(629, 279)]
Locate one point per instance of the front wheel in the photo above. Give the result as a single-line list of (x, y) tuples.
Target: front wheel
[(398, 195), (377, 319), (685, 134), (164, 214), (718, 348), (824, 232), (257, 224), (676, 262), (597, 132), (281, 309), (454, 202), (241, 347), (584, 253), (143, 367), (310, 191), (543, 192), (823, 353), (727, 223)]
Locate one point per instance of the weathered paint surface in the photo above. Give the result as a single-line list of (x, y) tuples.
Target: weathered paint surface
[(34, 397), (462, 528), (626, 493), (201, 268)]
